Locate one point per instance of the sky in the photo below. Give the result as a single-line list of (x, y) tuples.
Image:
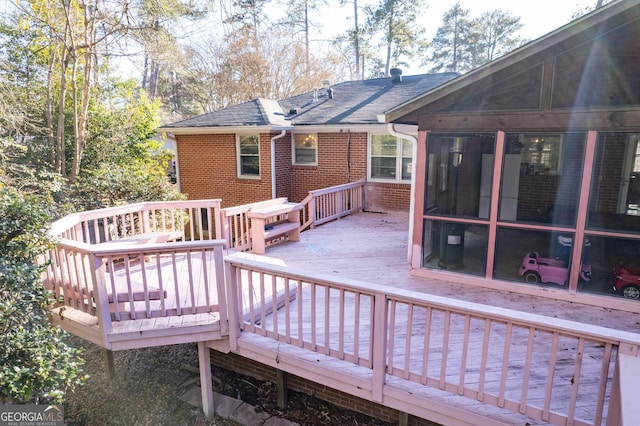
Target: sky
[(538, 16)]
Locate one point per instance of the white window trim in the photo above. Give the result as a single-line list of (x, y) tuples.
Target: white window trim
[(558, 170), (238, 156), (293, 149), (399, 157)]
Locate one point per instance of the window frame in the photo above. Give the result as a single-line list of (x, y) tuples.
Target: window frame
[(294, 148), (398, 159), (557, 170), (240, 155)]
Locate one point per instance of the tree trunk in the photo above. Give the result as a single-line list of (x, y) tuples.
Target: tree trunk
[(391, 21), (61, 164), (356, 39), (81, 110), (306, 38), (51, 140)]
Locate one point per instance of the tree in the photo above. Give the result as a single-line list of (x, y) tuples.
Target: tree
[(236, 69), (494, 32), (462, 44), (35, 363), (450, 46), (397, 21)]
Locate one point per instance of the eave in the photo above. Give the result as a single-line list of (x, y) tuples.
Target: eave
[(582, 28), (213, 130)]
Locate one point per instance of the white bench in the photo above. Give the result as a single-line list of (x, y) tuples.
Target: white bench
[(274, 220)]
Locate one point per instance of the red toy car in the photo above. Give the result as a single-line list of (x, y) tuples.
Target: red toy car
[(626, 281), (536, 269)]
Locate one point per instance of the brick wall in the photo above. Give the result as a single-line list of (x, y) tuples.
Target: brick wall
[(208, 169), (342, 158), (247, 367)]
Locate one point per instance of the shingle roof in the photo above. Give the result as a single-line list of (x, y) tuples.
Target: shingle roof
[(353, 103), (257, 112), (360, 102)]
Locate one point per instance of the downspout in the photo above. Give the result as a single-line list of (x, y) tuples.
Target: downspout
[(412, 198), (273, 161)]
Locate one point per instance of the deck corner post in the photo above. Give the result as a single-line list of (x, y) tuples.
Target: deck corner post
[(233, 308), (108, 360), (204, 357), (379, 346), (282, 389), (403, 418)]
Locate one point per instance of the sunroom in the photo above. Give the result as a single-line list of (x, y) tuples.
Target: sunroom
[(528, 169)]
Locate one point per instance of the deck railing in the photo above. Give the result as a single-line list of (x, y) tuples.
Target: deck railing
[(493, 355), (320, 206), (108, 264), (327, 204), (196, 220)]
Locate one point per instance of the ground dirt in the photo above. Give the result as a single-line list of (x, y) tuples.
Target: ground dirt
[(149, 383)]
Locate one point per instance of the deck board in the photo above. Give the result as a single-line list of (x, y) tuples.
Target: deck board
[(372, 247)]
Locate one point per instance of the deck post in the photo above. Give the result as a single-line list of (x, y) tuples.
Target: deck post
[(403, 418), (233, 308), (108, 360), (204, 358), (281, 386), (379, 346)]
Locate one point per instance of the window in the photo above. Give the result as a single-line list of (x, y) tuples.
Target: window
[(305, 149), (248, 156), (541, 154), (390, 158)]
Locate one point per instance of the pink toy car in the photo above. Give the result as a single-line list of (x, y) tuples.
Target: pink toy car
[(626, 281), (536, 269)]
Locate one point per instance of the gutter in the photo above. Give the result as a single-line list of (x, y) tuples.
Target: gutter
[(412, 199), (273, 161)]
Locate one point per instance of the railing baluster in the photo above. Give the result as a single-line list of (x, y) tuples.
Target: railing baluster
[(145, 286), (465, 350), (263, 314), (445, 349), (327, 304), (392, 334), (300, 314), (205, 276), (575, 382), (176, 284), (287, 310), (602, 388), (341, 324), (425, 349), (356, 327), (505, 364), (161, 289), (313, 317), (407, 344), (274, 305), (550, 373), (484, 358), (527, 370)]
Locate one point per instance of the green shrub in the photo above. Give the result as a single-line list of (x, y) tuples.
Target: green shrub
[(36, 365)]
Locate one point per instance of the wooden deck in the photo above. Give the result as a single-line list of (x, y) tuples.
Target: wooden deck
[(447, 360), (372, 247), (483, 370)]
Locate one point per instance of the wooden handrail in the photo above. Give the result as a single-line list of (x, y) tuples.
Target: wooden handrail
[(197, 219), (552, 347), (327, 204)]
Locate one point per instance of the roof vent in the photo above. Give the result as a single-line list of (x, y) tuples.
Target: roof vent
[(293, 111), (330, 93), (396, 75)]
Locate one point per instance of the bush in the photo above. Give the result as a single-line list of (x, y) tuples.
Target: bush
[(35, 364)]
